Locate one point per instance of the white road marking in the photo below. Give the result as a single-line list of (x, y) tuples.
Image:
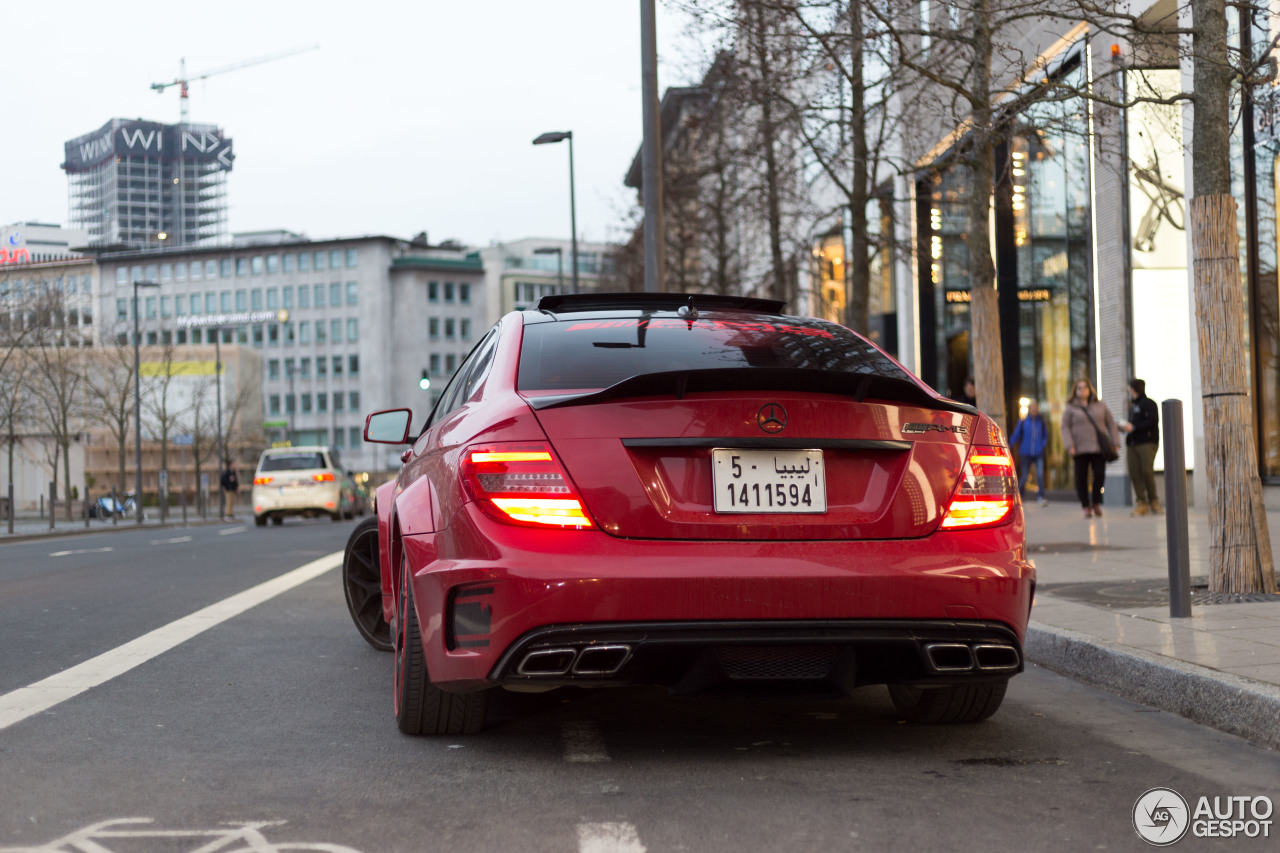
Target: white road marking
[(583, 743), (24, 702), (230, 530), (609, 838), (172, 541), (80, 551)]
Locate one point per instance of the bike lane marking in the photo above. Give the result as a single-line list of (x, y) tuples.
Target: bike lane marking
[(79, 551), (18, 705), (613, 837)]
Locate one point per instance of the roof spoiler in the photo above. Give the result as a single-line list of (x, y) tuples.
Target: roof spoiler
[(567, 303)]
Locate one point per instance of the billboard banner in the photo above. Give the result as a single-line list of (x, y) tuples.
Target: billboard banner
[(195, 143)]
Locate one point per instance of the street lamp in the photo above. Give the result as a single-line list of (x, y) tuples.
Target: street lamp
[(137, 397), (559, 253), (560, 136)]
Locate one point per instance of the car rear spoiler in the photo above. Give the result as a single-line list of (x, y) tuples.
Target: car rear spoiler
[(859, 386)]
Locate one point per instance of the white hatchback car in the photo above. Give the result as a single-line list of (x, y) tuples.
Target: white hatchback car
[(305, 481)]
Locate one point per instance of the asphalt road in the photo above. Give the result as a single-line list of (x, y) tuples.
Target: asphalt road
[(279, 719)]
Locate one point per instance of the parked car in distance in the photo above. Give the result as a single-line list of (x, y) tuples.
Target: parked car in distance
[(304, 481), (700, 492)]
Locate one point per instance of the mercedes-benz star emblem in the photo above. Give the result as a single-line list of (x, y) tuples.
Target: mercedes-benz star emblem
[(772, 418)]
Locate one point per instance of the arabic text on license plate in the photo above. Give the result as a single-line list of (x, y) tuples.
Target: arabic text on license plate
[(769, 481)]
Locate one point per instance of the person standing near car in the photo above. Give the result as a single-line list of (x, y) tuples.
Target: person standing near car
[(230, 487), (1030, 437), (1142, 442), (1086, 424)]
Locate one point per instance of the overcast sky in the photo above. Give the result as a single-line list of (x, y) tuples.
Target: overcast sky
[(410, 116)]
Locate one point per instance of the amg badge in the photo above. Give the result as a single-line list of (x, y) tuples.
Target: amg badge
[(915, 428)]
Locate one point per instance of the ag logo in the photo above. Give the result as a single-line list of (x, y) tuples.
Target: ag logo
[(772, 418), (1161, 817)]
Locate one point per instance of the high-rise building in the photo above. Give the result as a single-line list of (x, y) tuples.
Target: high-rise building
[(142, 184)]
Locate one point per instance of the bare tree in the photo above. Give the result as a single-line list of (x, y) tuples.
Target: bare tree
[(164, 407), (56, 380), (110, 390)]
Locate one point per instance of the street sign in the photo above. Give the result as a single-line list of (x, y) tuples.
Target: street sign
[(184, 440)]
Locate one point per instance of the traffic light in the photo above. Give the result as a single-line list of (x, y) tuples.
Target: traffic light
[(425, 382)]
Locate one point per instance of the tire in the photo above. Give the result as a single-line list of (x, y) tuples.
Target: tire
[(260, 520), (362, 583), (422, 708), (954, 703)]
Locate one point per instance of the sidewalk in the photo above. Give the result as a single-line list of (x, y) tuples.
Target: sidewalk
[(1101, 616), (31, 525)]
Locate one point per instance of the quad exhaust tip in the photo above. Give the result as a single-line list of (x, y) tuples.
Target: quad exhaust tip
[(591, 660), (982, 657)]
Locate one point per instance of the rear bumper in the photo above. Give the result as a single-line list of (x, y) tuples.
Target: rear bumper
[(299, 501), (485, 592)]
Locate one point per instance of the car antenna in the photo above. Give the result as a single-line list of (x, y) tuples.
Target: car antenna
[(689, 311)]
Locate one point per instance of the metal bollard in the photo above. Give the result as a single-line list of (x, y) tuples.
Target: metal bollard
[(86, 506), (53, 502), (1175, 500), (11, 507), (115, 515)]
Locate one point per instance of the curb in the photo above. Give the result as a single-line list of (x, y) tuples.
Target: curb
[(1221, 700), (59, 532)]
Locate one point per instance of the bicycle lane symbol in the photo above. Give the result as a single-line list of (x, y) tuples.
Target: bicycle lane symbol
[(237, 837)]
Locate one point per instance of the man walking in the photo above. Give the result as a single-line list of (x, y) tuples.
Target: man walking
[(230, 486), (1142, 441)]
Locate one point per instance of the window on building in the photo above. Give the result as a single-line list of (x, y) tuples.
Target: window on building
[(152, 273), (164, 307), (257, 336), (290, 404), (242, 335), (286, 297), (182, 337), (196, 336), (152, 339), (448, 291), (122, 309), (221, 267), (337, 365), (464, 293), (306, 404), (353, 329), (322, 366), (180, 271), (273, 334), (448, 328), (335, 331), (433, 291), (320, 332), (335, 259), (273, 368), (318, 293), (338, 400), (435, 363), (242, 300), (274, 404), (242, 266), (464, 329), (433, 327), (166, 337), (255, 298), (353, 258), (135, 274), (289, 369), (318, 259), (195, 270), (339, 437), (288, 262), (256, 265), (150, 308), (180, 306), (304, 332), (304, 262), (355, 435), (195, 303), (322, 400), (335, 293), (224, 300), (273, 299), (166, 273), (353, 365), (353, 294), (353, 401), (122, 276), (304, 296), (450, 362), (290, 335), (273, 264)]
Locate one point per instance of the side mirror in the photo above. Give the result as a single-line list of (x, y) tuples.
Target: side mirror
[(388, 427)]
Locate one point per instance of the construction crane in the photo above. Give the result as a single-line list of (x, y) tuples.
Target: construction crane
[(183, 79)]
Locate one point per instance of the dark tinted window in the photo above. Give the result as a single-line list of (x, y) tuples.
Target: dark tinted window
[(598, 353), (292, 461)]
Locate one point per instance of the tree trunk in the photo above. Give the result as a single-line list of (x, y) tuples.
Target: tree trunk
[(858, 264), (1239, 540), (768, 141)]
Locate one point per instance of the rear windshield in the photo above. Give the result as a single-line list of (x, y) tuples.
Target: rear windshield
[(301, 461), (598, 353)]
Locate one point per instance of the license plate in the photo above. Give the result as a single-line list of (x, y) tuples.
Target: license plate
[(769, 481)]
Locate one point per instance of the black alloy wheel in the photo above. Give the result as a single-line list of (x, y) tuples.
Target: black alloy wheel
[(362, 584)]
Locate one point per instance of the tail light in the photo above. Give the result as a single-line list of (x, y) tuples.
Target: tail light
[(522, 484), (987, 492), (262, 481), (326, 477)]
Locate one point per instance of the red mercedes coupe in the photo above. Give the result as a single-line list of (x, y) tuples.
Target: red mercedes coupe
[(699, 492)]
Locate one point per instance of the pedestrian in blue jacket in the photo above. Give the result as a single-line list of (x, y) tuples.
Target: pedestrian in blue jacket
[(1030, 437)]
